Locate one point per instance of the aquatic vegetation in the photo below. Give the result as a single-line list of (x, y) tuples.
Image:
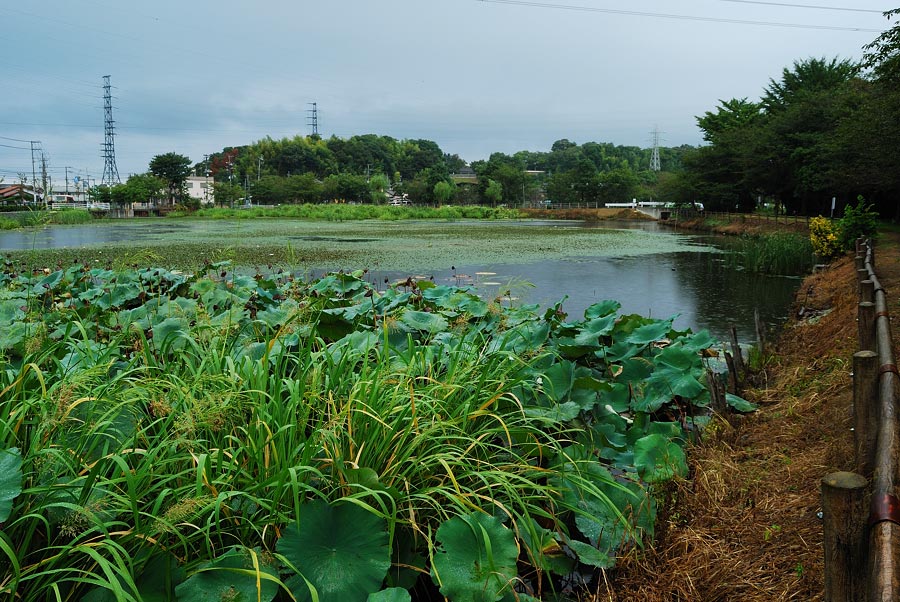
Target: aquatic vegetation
[(166, 433), (782, 253)]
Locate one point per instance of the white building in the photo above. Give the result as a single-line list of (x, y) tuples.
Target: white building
[(201, 188)]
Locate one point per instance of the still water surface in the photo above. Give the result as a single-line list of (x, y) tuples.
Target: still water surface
[(689, 279)]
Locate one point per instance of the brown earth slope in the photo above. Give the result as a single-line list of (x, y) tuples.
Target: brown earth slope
[(745, 525)]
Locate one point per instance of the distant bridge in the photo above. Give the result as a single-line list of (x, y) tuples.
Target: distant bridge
[(653, 209)]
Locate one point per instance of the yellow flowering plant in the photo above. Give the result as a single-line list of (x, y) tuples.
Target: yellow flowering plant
[(823, 235)]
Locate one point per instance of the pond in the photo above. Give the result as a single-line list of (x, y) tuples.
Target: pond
[(649, 269)]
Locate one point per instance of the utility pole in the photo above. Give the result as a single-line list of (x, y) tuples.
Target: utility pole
[(258, 168), (44, 178), (33, 174)]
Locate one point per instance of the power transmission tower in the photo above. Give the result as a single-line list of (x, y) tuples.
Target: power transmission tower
[(313, 121), (110, 171), (654, 156)]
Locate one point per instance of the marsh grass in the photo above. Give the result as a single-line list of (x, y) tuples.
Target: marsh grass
[(189, 454), (782, 253), (341, 212)]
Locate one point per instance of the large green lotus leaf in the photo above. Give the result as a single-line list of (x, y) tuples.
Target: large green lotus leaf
[(591, 556), (393, 594), (635, 370), (11, 310), (659, 459), (171, 333), (526, 336), (601, 309), (617, 399), (424, 321), (10, 480), (338, 284), (619, 351), (739, 403), (698, 341), (676, 356), (13, 335), (591, 331), (557, 380), (662, 386), (557, 413), (649, 333), (118, 296), (341, 550), (476, 558), (229, 577)]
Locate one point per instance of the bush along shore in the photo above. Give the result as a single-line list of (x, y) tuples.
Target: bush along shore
[(170, 436)]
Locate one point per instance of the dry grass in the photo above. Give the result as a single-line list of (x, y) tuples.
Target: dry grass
[(744, 526)]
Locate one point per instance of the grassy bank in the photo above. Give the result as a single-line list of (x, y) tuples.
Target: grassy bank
[(343, 212), (13, 221)]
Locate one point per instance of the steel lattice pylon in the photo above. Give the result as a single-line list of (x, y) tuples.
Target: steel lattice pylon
[(110, 171)]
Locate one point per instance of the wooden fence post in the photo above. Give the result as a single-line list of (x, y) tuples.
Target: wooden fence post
[(844, 513), (867, 291), (865, 410), (736, 352), (866, 326)]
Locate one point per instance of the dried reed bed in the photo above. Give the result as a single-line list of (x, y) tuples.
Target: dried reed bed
[(744, 526)]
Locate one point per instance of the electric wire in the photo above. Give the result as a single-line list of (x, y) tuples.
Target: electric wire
[(812, 6), (634, 13)]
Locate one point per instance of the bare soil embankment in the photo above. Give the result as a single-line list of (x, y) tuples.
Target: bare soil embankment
[(744, 526)]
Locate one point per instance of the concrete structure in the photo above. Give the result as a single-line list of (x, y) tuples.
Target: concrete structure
[(201, 188)]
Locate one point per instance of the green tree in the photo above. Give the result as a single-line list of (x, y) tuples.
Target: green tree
[(140, 188), (443, 192), (174, 170), (493, 192), (227, 194)]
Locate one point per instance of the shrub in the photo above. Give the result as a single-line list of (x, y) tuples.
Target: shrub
[(859, 221), (824, 238)]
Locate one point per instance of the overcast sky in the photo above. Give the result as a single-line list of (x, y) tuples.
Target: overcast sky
[(194, 76)]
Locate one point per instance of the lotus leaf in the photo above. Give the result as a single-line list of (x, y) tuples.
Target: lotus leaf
[(172, 333), (341, 550), (11, 310), (591, 556), (659, 459), (739, 403), (231, 576), (649, 333), (476, 558), (10, 480), (13, 335), (601, 309), (424, 321), (393, 594)]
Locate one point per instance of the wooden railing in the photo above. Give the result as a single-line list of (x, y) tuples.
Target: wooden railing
[(861, 510)]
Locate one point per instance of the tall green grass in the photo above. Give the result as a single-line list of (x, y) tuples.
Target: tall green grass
[(781, 253)]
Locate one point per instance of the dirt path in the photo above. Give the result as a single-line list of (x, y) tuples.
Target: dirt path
[(745, 525)]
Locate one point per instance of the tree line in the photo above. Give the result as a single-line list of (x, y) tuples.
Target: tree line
[(825, 132)]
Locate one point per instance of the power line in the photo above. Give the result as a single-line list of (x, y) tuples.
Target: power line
[(14, 139), (17, 147), (813, 6), (634, 13)]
